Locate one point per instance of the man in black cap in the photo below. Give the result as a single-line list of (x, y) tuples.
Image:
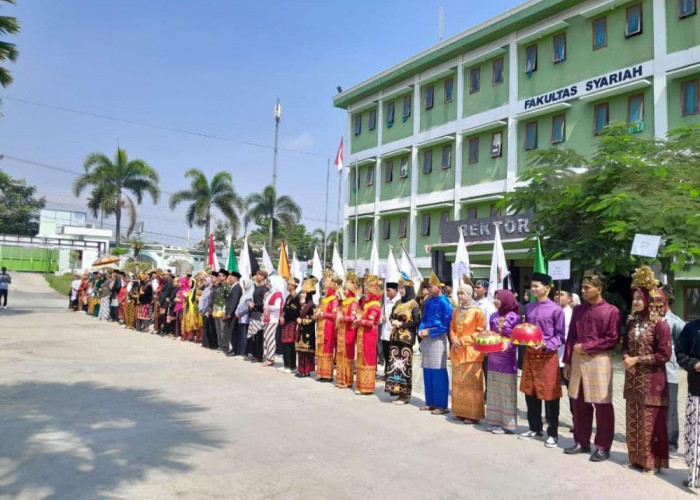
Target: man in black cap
[(164, 300), (219, 311), (391, 298), (230, 322)]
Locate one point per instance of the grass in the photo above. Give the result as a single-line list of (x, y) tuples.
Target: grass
[(60, 283)]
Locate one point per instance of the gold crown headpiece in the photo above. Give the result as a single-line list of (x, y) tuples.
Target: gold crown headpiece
[(309, 284), (372, 285), (644, 277)]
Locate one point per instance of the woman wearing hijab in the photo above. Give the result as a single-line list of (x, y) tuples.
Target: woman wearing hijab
[(179, 307), (243, 316), (646, 347), (405, 319), (271, 319), (502, 378), (467, 362), (306, 332)]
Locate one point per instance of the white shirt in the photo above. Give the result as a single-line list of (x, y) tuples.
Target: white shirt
[(487, 308), (568, 311), (154, 285), (75, 284), (387, 309)]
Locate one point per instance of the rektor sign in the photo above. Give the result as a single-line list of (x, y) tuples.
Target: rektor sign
[(512, 227)]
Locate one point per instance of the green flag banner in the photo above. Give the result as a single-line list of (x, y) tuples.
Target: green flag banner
[(232, 264), (540, 266)]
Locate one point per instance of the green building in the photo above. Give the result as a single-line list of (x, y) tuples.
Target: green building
[(437, 139)]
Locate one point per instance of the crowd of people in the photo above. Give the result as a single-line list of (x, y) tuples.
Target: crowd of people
[(344, 334)]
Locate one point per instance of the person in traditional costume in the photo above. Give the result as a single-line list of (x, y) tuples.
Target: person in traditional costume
[(219, 310), (688, 355), (405, 319), (230, 323), (367, 325), (433, 329), (288, 320), (205, 307), (164, 294), (676, 325), (541, 377), (132, 300), (183, 288), (594, 332), (256, 327), (502, 397), (346, 333), (646, 348), (306, 332), (467, 362), (191, 319), (389, 300), (325, 329), (243, 317), (95, 299), (274, 302), (105, 292), (143, 310)]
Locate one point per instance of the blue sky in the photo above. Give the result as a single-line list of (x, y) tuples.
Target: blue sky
[(213, 67)]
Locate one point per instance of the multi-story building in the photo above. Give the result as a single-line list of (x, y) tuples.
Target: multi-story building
[(443, 135)]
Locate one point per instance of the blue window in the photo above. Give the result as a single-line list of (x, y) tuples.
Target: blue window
[(690, 94), (358, 124), (558, 129), (370, 175), (531, 136), (390, 114), (635, 113), (600, 33), (601, 117), (633, 26), (449, 85), (531, 59), (372, 120), (559, 42), (687, 8), (429, 97), (446, 156), (389, 171), (406, 107), (403, 172), (474, 80), (498, 71), (428, 161), (474, 150)]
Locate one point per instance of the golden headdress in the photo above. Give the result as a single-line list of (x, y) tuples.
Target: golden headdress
[(352, 283), (332, 280), (644, 277), (372, 285), (292, 281), (434, 280), (309, 284)]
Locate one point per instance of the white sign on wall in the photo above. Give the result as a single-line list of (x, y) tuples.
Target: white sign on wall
[(646, 245)]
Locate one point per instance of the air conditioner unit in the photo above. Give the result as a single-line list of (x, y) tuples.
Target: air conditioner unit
[(89, 226)]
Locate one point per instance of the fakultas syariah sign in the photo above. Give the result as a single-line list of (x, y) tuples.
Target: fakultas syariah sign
[(511, 227), (582, 88)]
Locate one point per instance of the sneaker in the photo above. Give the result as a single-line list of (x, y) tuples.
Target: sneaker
[(490, 428), (287, 370), (281, 369), (531, 435), (498, 430), (550, 442)]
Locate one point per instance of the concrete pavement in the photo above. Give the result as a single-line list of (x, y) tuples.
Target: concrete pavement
[(90, 410)]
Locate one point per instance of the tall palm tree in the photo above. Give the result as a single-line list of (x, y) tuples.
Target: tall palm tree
[(247, 216), (103, 201), (204, 195), (280, 211), (8, 51), (111, 180)]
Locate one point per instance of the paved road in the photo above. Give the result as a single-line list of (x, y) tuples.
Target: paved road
[(90, 411)]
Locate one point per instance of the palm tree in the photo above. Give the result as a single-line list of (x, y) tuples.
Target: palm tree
[(282, 210), (103, 201), (247, 216), (204, 194), (8, 51), (111, 180)]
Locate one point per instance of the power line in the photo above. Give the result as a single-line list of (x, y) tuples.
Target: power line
[(154, 126)]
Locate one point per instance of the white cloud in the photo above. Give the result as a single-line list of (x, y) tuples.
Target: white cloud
[(303, 142)]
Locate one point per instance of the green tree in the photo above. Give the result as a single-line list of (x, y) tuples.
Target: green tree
[(328, 242), (8, 51), (204, 195), (112, 180), (19, 207), (103, 201), (275, 213), (589, 209)]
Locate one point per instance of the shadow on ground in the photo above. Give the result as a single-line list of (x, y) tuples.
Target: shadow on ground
[(84, 440)]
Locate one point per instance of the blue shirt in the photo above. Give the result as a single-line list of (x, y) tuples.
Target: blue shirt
[(437, 316), (5, 280)]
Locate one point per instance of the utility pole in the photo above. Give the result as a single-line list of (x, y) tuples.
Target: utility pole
[(278, 116)]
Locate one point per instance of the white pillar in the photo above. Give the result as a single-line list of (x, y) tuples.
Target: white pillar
[(659, 89), (412, 216), (512, 132)]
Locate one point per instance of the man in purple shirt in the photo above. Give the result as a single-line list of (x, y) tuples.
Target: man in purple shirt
[(593, 334), (541, 377)]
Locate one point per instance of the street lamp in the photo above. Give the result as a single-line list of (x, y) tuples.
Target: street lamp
[(278, 116)]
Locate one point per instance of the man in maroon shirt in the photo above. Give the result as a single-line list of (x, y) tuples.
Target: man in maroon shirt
[(593, 334)]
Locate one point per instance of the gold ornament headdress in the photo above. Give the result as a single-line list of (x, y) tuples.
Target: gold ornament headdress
[(434, 280), (309, 284), (644, 277), (352, 283), (372, 284)]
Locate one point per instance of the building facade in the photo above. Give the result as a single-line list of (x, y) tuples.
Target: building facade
[(441, 136)]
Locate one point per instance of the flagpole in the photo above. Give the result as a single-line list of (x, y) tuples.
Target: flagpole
[(340, 181), (325, 223), (357, 205)]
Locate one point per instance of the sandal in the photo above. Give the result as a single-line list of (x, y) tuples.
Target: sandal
[(426, 408), (439, 411)]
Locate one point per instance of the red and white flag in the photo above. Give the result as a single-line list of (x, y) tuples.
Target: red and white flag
[(212, 261), (339, 156)]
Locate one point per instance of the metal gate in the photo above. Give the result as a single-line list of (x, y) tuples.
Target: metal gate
[(16, 258)]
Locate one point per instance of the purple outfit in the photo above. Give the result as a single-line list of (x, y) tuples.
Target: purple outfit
[(505, 361), (549, 318)]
